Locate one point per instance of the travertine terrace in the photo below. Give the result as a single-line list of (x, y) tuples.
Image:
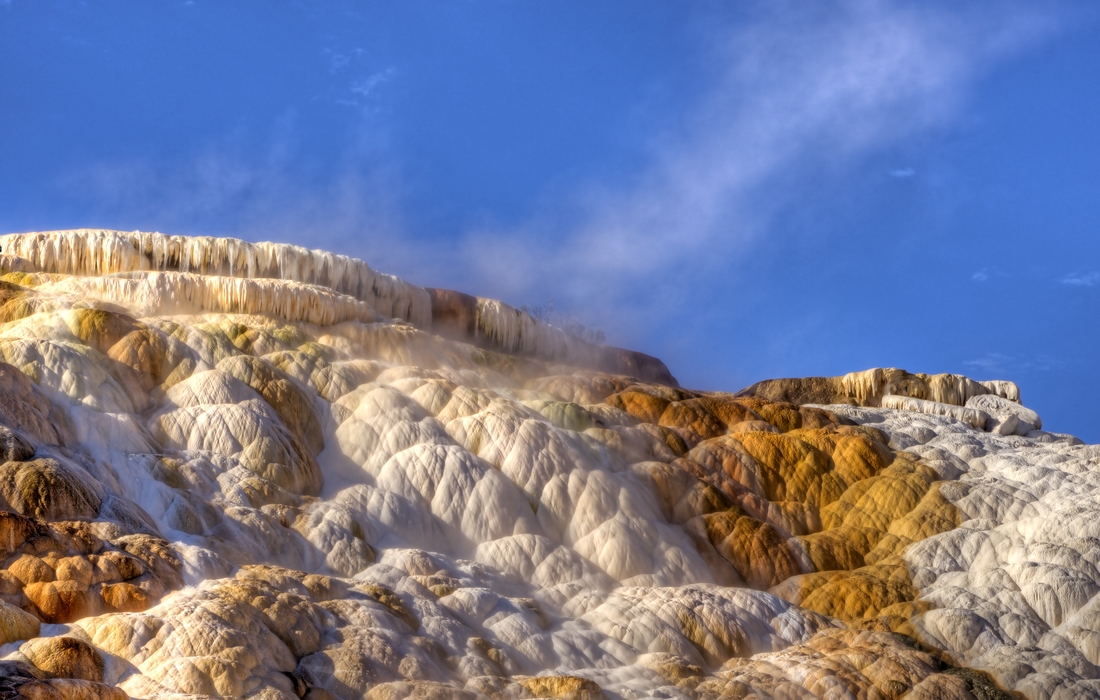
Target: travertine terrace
[(258, 471)]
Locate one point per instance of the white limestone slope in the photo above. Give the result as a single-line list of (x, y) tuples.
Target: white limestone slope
[(138, 269), (1015, 585), (251, 471), (96, 253)]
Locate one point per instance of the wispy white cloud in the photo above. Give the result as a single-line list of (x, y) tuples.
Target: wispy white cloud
[(1000, 364), (796, 88), (902, 173), (793, 89), (987, 273), (365, 89), (1081, 279), (990, 363), (338, 60)]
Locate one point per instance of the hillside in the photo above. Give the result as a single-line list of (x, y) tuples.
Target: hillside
[(255, 470)]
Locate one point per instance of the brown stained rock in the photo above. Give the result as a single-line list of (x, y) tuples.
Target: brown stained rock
[(932, 516), (819, 390), (339, 378), (145, 352), (693, 416), (842, 548), (861, 663), (727, 409), (782, 415), (292, 404), (454, 314), (867, 388), (760, 553), (854, 456), (831, 499), (69, 689), (315, 586), (125, 566), (60, 601), (48, 489), (16, 529), (323, 588), (76, 536), (104, 570), (391, 601), (645, 407), (819, 418), (875, 503), (580, 388), (76, 569), (680, 495), (10, 586), (65, 657), (671, 667), (563, 687), (804, 466), (417, 690), (124, 597), (16, 624), (24, 407), (102, 329), (863, 593), (752, 426), (157, 555), (667, 437), (490, 652), (727, 457), (16, 301), (14, 447), (99, 328), (292, 618), (28, 569), (791, 469)]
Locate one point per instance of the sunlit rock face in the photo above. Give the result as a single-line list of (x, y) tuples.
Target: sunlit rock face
[(257, 471)]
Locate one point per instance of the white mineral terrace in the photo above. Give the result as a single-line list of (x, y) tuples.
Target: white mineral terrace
[(215, 262), (252, 471)]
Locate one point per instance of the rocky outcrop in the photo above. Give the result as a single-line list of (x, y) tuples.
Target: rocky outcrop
[(868, 387), (253, 471), (156, 274), (491, 324)]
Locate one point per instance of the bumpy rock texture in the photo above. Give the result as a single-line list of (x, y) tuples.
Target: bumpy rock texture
[(257, 471)]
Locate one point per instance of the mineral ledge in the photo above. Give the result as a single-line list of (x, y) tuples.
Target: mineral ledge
[(237, 470)]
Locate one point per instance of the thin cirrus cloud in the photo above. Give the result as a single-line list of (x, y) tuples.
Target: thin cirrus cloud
[(1081, 279), (996, 363), (832, 85), (987, 273)]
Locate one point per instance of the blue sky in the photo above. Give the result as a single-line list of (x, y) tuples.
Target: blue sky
[(744, 189)]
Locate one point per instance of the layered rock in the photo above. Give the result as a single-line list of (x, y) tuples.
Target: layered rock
[(229, 276), (254, 471)]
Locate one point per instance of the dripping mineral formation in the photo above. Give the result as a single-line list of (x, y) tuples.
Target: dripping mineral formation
[(258, 471)]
